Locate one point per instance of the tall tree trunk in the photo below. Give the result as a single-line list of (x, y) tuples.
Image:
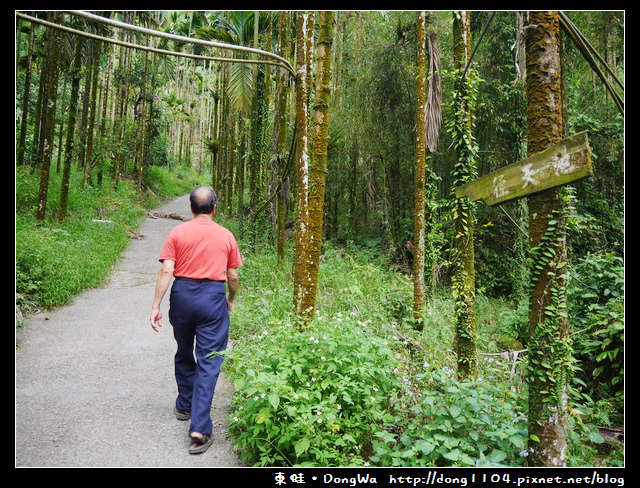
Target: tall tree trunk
[(280, 128), (464, 290), (143, 122), (231, 154), (119, 122), (549, 349), (304, 31), (419, 224), (318, 173), (49, 100), (88, 164), (86, 97), (62, 94), (71, 127), (224, 131), (255, 127), (105, 105)]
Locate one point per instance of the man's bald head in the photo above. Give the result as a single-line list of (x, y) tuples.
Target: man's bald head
[(203, 200)]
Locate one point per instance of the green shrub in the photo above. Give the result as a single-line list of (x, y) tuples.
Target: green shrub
[(454, 423), (312, 397), (596, 307)]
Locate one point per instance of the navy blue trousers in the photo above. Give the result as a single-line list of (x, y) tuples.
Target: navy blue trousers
[(199, 314)]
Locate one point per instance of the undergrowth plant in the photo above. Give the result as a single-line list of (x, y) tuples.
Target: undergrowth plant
[(314, 397), (455, 423)]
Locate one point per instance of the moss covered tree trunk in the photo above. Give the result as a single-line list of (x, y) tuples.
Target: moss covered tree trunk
[(549, 351), (310, 261), (304, 32), (318, 175), (464, 290)]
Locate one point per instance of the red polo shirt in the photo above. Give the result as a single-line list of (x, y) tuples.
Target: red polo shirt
[(201, 248)]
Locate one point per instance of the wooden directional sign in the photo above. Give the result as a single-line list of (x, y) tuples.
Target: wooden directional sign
[(567, 161)]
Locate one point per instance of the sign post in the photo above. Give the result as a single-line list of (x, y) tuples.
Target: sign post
[(568, 160)]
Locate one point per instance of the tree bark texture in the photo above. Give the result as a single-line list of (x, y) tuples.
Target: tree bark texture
[(71, 127), (549, 351), (464, 289), (317, 188), (304, 31), (310, 260)]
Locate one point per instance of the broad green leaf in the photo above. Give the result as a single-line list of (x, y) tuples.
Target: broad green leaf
[(263, 416), (302, 446), (274, 400)]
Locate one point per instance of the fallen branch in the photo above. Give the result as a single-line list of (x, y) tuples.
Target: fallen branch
[(156, 215)]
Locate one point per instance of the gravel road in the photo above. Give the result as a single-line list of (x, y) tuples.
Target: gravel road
[(94, 383)]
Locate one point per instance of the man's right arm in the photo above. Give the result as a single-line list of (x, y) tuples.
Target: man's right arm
[(162, 284)]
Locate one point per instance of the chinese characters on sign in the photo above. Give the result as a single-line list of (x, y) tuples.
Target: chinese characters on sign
[(567, 161)]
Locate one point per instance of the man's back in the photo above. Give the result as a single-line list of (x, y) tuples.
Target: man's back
[(201, 248)]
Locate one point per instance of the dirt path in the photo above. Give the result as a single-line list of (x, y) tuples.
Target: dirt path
[(94, 383)]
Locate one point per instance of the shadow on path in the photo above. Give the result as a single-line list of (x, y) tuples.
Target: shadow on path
[(94, 382)]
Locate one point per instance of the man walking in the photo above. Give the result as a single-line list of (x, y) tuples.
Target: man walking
[(201, 256)]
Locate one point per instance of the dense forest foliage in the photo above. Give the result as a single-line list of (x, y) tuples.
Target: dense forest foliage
[(104, 111)]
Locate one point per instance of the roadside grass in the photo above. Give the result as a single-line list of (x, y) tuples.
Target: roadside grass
[(55, 260)]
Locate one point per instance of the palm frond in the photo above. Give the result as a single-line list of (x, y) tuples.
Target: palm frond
[(241, 86)]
